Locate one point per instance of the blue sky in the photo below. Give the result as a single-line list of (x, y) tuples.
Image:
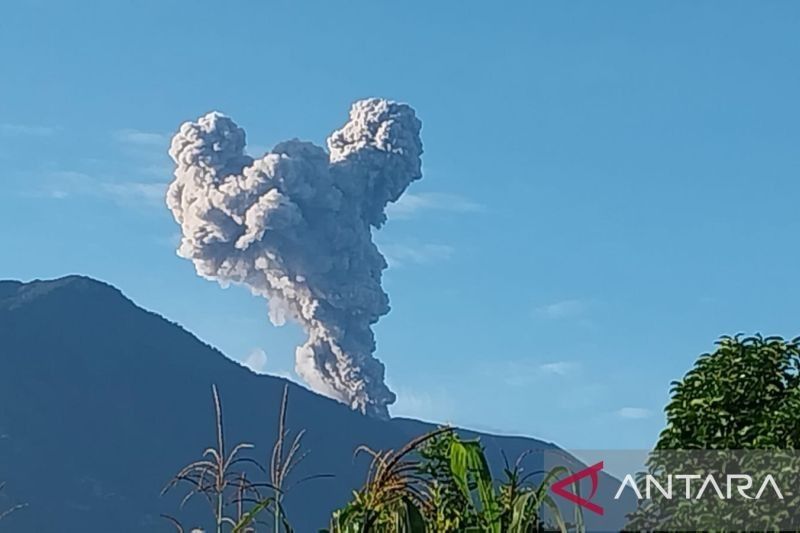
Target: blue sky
[(608, 187)]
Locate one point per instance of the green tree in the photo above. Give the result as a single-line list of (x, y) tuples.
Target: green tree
[(744, 396)]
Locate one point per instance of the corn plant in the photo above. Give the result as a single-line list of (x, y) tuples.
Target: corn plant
[(283, 460), (513, 506), (437, 482), (441, 483), (218, 479), (395, 497), (521, 502)]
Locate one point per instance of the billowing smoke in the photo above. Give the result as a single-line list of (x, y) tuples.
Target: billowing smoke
[(295, 226)]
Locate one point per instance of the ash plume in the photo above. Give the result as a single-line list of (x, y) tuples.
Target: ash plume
[(295, 226)]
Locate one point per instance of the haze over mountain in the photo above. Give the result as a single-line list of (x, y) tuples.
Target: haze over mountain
[(101, 402)]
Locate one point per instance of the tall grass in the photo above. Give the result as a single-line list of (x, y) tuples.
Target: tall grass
[(395, 495), (238, 501), (436, 483), (442, 483), (217, 478), (283, 461)]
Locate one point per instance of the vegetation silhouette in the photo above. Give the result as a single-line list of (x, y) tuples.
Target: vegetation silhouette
[(437, 482)]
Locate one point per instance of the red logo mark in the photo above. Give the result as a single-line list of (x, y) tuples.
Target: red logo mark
[(591, 472)]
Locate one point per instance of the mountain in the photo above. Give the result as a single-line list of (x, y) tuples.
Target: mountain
[(101, 402)]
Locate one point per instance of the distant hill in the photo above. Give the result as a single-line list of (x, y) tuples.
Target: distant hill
[(101, 402)]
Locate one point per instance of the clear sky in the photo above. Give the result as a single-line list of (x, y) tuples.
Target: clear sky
[(608, 186)]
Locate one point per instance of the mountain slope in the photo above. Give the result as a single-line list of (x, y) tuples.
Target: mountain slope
[(101, 402)]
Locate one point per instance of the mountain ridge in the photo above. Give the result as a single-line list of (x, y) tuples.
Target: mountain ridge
[(118, 399)]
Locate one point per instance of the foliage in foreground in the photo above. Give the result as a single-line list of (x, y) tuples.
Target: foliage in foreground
[(436, 483), (441, 483), (222, 477), (744, 395), (740, 406)]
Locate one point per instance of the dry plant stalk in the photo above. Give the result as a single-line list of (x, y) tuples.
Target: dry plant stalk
[(281, 465), (213, 476), (392, 476)]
